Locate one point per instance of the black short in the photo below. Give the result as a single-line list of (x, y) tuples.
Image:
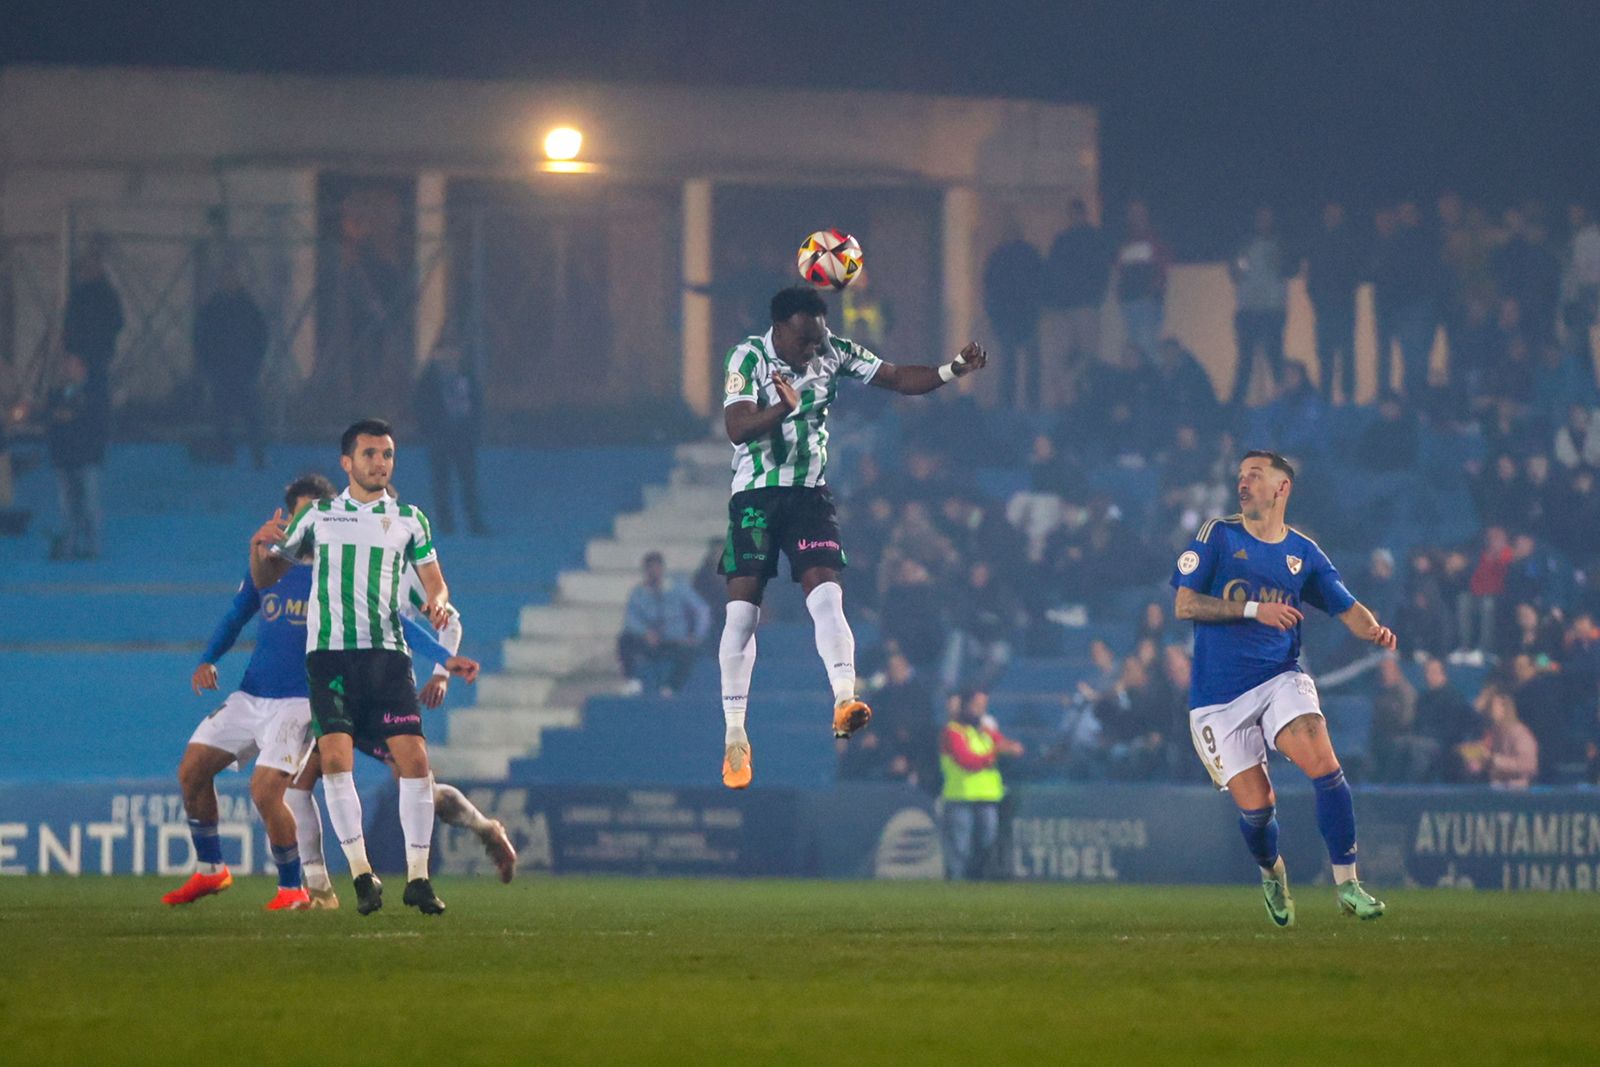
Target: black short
[(368, 693), (799, 520)]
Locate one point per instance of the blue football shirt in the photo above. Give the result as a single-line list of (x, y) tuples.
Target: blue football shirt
[(1225, 561)]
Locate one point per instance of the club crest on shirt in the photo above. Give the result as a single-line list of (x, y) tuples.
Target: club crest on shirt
[(1294, 563), (1189, 562), (384, 522)]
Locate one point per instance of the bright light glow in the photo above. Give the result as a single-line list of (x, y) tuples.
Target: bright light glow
[(563, 142)]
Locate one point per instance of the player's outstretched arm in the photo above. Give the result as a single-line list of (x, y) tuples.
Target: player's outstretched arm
[(916, 380), (1360, 621), (1197, 607)]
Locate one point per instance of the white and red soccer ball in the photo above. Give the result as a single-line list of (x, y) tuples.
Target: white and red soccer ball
[(830, 259)]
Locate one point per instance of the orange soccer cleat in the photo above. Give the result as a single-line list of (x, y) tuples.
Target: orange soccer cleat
[(850, 715), (296, 899), (199, 885), (737, 766)]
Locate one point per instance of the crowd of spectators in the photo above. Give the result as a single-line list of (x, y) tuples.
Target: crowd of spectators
[(1479, 474)]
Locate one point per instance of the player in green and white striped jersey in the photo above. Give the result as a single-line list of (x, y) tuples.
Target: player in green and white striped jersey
[(776, 395), (357, 663)]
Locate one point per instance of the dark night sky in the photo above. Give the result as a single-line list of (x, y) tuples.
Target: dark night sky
[(1205, 107)]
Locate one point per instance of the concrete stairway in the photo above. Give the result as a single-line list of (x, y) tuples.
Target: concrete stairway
[(565, 651)]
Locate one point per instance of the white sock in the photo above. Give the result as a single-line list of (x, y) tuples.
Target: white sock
[(1343, 872), (308, 833), (835, 643), (454, 809), (344, 811), (737, 654), (416, 822)]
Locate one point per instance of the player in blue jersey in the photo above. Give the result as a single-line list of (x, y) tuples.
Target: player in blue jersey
[(267, 719), (1243, 581)]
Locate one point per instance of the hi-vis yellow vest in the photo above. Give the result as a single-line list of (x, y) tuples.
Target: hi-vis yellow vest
[(972, 786)]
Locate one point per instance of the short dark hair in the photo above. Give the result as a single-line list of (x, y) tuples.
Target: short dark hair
[(1275, 461), (653, 556), (369, 427), (797, 300), (312, 485)]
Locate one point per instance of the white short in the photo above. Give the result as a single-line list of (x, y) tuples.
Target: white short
[(276, 733), (1236, 736)]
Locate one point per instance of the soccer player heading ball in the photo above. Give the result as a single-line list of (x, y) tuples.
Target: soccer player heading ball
[(775, 406), (1242, 580)]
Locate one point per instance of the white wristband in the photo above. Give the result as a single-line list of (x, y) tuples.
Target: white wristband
[(947, 372), (1251, 607)]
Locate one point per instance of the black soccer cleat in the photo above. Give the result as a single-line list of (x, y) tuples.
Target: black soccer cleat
[(369, 894), (419, 894)]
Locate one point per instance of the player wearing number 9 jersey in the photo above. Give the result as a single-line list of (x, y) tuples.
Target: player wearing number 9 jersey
[(1243, 581)]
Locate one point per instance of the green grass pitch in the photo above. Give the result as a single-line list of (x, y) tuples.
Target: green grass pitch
[(598, 971)]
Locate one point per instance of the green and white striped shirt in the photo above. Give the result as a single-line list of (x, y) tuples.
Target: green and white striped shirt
[(796, 451), (361, 552)]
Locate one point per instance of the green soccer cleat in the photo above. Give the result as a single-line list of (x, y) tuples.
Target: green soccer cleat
[(1275, 888), (1353, 900)]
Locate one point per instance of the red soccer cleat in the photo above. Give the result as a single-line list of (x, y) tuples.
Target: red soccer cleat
[(296, 899), (199, 885)]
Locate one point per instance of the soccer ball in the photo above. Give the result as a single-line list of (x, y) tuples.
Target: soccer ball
[(830, 259)]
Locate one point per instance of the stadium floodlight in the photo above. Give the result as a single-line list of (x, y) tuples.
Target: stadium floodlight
[(563, 143)]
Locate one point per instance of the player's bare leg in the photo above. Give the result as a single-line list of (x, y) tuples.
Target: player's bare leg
[(453, 808), (736, 655), (1258, 821), (197, 773), (836, 644), (308, 833), (267, 788), (410, 755), (337, 752), (1305, 741)]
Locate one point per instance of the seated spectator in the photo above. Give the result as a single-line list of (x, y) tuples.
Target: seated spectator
[(1530, 635), (1560, 721), (912, 618), (1134, 724), (1444, 717), (1577, 442), (1390, 443), (1155, 626), (1183, 388), (1538, 493), (1399, 752), (1535, 574), (1559, 382), (980, 531), (902, 745), (915, 537), (1497, 492), (665, 624), (1573, 523), (1507, 754), (1297, 421), (1580, 657), (1380, 587), (1424, 616), (985, 618), (1052, 469)]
